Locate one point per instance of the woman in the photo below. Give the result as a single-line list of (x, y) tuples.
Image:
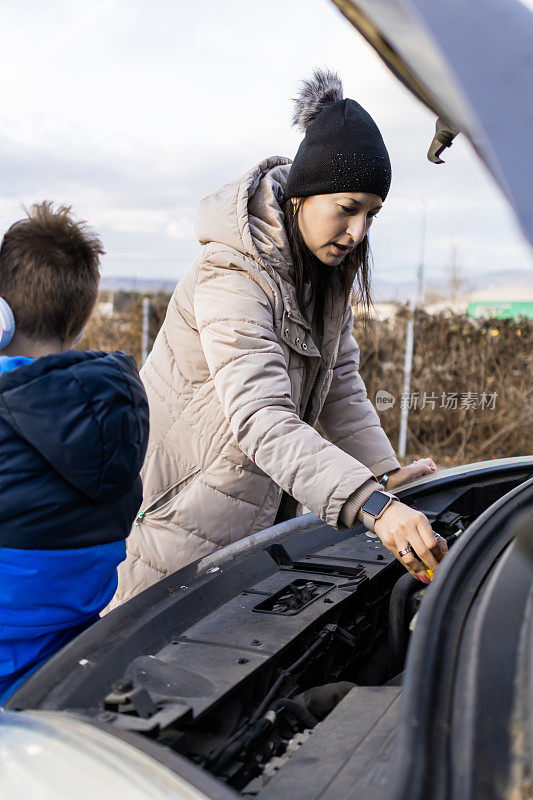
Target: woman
[(257, 347)]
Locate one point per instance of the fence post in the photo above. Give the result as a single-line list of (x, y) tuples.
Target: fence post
[(145, 329), (406, 390), (409, 340)]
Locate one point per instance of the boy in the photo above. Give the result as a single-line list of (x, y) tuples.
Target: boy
[(73, 435)]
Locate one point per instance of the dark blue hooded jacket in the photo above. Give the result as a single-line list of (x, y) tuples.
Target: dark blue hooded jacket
[(73, 435)]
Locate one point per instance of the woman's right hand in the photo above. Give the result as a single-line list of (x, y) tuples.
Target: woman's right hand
[(404, 530)]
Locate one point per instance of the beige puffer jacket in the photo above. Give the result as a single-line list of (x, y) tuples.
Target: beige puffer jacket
[(230, 376)]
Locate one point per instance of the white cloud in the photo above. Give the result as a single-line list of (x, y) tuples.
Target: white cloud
[(133, 111)]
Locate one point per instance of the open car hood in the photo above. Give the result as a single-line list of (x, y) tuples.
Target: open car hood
[(470, 63)]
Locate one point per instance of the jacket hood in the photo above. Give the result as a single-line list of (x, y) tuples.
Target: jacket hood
[(85, 413), (247, 215)]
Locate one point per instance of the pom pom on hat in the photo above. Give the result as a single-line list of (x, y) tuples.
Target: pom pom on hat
[(316, 94)]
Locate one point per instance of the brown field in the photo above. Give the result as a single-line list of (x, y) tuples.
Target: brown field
[(476, 376)]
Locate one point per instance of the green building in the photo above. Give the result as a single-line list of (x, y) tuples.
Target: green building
[(500, 309)]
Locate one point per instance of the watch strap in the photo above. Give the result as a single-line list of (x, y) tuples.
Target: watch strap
[(384, 479), (368, 521)]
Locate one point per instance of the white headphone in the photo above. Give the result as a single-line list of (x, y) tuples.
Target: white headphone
[(7, 323)]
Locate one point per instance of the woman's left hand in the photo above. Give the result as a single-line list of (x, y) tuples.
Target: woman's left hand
[(425, 466)]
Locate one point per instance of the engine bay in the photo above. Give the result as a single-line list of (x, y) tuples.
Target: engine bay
[(290, 657)]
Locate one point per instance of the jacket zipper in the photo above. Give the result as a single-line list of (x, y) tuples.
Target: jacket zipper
[(154, 503), (334, 352)]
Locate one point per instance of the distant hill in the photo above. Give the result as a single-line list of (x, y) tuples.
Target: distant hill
[(504, 280), (501, 281), (142, 285)]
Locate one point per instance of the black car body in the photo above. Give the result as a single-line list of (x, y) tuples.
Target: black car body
[(277, 668)]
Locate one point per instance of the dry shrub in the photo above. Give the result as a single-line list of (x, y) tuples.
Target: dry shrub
[(123, 331), (455, 356), (452, 355)]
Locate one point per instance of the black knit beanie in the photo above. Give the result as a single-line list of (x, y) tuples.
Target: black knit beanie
[(343, 150)]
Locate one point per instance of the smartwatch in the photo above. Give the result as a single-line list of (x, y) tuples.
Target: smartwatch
[(374, 507)]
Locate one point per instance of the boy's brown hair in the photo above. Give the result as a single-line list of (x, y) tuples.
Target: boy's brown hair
[(49, 272)]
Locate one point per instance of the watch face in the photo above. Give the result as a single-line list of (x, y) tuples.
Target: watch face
[(376, 503)]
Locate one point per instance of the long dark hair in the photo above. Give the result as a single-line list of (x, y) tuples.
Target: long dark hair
[(324, 281)]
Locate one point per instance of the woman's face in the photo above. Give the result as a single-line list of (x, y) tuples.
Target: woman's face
[(332, 225)]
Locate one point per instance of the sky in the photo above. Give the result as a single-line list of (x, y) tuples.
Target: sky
[(133, 111)]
